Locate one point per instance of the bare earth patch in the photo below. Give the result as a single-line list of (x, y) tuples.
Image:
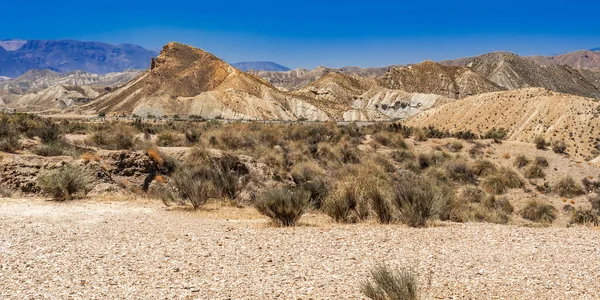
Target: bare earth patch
[(105, 249)]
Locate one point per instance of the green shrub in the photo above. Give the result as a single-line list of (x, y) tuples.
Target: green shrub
[(284, 206), (392, 284), (539, 212), (567, 187), (189, 184), (168, 139), (66, 182), (345, 204), (496, 134)]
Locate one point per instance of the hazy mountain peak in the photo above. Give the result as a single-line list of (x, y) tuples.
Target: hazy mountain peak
[(12, 45), (260, 66)]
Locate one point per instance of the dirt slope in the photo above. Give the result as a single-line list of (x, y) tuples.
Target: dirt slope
[(525, 113), (56, 98), (432, 78), (583, 59)]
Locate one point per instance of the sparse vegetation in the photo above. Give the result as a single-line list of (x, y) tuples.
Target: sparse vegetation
[(584, 216), (65, 183), (284, 206), (567, 187), (387, 283), (502, 180), (537, 211), (559, 147), (540, 142)]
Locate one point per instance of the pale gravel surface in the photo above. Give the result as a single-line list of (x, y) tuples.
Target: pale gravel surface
[(101, 250)]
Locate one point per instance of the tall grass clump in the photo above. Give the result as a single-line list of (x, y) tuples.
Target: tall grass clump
[(283, 206), (65, 183), (502, 180), (386, 283), (567, 187), (539, 212)]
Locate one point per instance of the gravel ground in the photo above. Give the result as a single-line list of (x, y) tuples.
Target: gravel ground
[(133, 250)]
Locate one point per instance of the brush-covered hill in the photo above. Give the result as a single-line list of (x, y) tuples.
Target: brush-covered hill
[(525, 113), (511, 71), (361, 98), (432, 78), (189, 81)]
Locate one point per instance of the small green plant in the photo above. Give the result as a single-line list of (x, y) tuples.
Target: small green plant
[(66, 182), (283, 206), (387, 283), (539, 212)]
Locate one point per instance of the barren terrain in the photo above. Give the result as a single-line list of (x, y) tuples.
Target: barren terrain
[(107, 249)]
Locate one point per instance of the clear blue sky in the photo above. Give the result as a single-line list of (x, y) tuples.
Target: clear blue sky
[(310, 33)]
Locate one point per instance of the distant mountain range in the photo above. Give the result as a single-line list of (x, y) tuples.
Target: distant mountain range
[(20, 56), (595, 49), (260, 66)]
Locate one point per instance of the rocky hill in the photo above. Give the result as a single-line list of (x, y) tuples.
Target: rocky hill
[(186, 80), (54, 98), (296, 79), (511, 71), (260, 66), (432, 78), (17, 57), (36, 80), (584, 59), (525, 113)]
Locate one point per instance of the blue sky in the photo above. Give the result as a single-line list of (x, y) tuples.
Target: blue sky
[(310, 33)]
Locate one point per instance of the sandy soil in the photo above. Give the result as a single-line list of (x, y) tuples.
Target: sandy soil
[(139, 250)]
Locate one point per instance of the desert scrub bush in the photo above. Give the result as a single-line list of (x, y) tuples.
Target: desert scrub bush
[(10, 144), (521, 161), (387, 283), (188, 184), (419, 135), (460, 171), (390, 140), (584, 216), (419, 199), (283, 206), (50, 149), (541, 162), (537, 211), (476, 150), (496, 134), (433, 158), (559, 147), (483, 167), (540, 142), (169, 139), (402, 156), (113, 138), (66, 182), (567, 187), (503, 179), (533, 171), (474, 205), (455, 146), (314, 133), (349, 154)]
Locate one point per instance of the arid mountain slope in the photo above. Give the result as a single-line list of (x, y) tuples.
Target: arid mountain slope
[(36, 80), (525, 113), (364, 99), (583, 59), (186, 80), (513, 72), (432, 78), (56, 97), (296, 79)]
